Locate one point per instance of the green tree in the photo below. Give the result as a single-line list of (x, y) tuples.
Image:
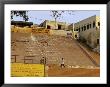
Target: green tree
[(22, 14)]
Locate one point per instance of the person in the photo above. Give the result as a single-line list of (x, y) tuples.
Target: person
[(43, 60), (62, 63)]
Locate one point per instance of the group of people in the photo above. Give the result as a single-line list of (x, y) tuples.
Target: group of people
[(43, 61)]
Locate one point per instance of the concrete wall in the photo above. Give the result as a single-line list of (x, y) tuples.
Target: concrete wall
[(21, 29), (59, 32), (91, 37), (42, 30)]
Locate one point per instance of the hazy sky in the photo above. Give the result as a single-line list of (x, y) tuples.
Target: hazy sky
[(38, 17)]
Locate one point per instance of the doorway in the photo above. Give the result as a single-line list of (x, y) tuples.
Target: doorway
[(97, 41), (75, 36), (48, 27), (59, 27)]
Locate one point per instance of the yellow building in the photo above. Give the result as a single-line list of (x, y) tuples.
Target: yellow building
[(54, 25), (88, 31)]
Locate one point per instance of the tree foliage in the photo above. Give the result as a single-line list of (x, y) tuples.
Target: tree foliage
[(56, 14), (22, 14)]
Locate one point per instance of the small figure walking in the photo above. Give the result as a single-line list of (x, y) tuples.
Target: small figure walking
[(43, 60), (62, 63)]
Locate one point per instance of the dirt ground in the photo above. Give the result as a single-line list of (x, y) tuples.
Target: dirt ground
[(56, 71), (54, 48)]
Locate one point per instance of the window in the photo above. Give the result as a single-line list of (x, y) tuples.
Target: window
[(93, 24), (76, 29), (88, 26), (98, 23), (75, 36), (79, 29), (97, 41), (82, 28)]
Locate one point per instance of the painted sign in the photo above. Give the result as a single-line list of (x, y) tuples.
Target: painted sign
[(27, 70)]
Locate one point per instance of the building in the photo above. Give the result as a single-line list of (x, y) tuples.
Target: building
[(54, 25), (88, 31), (71, 27), (75, 34)]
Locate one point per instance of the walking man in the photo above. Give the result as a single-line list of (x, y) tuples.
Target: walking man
[(62, 63)]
